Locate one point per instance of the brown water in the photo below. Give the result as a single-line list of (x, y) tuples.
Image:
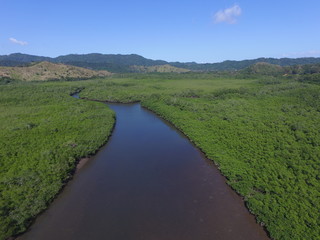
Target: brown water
[(148, 183)]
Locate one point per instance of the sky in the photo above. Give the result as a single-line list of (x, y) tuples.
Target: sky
[(189, 30)]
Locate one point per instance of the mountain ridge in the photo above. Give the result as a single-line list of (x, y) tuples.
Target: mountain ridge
[(119, 63)]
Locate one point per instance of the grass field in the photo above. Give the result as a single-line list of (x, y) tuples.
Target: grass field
[(262, 132)]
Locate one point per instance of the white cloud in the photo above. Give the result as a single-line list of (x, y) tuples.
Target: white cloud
[(228, 15), (22, 43), (311, 53)]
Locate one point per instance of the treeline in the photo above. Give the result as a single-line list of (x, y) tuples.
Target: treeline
[(303, 73), (271, 69), (238, 65)]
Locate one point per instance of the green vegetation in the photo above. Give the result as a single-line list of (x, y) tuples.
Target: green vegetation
[(238, 65), (262, 131), (118, 63), (263, 68), (158, 68), (43, 132)]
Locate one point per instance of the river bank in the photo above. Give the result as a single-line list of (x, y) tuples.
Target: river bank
[(147, 182)]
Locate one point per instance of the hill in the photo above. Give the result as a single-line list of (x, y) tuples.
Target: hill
[(238, 65), (263, 68), (45, 71), (158, 68), (123, 63), (16, 59), (110, 62)]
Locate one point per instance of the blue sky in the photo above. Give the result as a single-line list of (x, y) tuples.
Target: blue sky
[(188, 30)]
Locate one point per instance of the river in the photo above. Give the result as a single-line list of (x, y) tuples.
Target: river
[(148, 183)]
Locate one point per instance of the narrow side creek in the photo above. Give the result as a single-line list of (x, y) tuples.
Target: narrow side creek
[(148, 183)]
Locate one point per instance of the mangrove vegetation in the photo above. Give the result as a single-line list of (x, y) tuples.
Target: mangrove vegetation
[(261, 130)]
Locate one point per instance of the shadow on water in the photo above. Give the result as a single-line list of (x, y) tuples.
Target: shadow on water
[(148, 183)]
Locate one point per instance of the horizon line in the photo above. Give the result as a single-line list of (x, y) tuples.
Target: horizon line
[(227, 60)]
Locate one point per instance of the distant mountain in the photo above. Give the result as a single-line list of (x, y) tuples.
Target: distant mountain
[(17, 59), (44, 71), (238, 65), (123, 63), (128, 60), (97, 61)]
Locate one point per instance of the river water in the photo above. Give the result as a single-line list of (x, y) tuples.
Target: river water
[(148, 183)]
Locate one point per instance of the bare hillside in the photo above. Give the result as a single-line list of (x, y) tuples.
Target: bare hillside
[(44, 71)]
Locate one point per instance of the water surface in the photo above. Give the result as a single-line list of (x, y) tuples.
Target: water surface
[(148, 183)]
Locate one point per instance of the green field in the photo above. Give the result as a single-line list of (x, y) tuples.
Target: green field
[(262, 132)]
